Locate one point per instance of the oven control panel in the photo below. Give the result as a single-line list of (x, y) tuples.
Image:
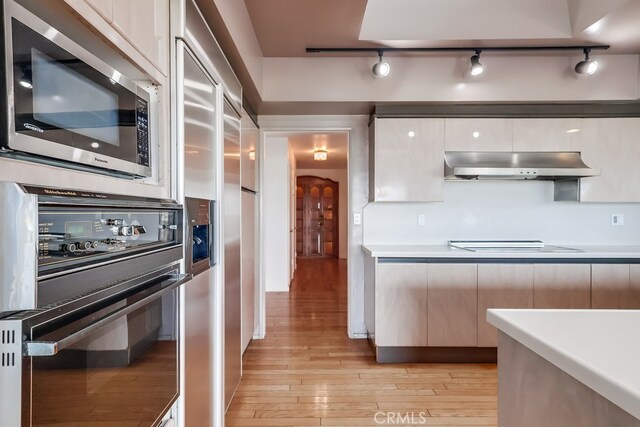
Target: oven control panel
[(65, 236), (142, 125)]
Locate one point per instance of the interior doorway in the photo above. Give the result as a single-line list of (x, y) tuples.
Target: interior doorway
[(317, 216)]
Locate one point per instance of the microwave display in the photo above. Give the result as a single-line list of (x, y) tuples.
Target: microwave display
[(69, 105)]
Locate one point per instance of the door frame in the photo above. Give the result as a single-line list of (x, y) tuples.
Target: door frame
[(356, 127)]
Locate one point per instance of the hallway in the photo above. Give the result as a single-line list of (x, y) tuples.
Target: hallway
[(307, 372)]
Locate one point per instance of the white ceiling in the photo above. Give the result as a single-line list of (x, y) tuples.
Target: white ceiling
[(304, 144), (284, 28)]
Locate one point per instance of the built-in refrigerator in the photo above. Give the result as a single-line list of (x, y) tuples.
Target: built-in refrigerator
[(207, 101)]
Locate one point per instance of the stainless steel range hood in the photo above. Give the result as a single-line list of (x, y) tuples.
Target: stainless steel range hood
[(516, 165)]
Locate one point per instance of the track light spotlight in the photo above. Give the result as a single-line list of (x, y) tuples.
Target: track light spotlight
[(588, 66), (381, 69), (476, 66)]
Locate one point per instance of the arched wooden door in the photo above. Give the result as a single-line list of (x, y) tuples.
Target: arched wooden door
[(316, 217)]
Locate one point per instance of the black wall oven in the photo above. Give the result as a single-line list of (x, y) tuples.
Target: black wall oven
[(97, 343), (64, 103)]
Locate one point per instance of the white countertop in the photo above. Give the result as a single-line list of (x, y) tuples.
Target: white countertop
[(443, 251), (600, 348)]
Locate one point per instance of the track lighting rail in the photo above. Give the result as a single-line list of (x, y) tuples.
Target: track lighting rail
[(383, 50)]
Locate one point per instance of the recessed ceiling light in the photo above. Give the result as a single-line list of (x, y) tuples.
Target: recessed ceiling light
[(411, 134), (573, 130), (476, 134)]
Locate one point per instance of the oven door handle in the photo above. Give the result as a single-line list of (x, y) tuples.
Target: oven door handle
[(51, 348)]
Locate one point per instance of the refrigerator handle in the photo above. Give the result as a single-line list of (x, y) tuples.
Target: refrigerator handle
[(212, 235)]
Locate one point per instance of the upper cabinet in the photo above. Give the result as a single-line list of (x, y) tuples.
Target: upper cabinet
[(103, 7), (145, 24), (478, 134), (407, 160), (547, 134), (613, 146)]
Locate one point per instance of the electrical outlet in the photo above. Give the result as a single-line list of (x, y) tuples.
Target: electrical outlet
[(357, 219), (617, 219), (422, 220)]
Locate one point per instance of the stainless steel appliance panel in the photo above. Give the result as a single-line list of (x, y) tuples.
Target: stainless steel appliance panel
[(200, 124), (206, 48), (198, 357), (232, 255), (18, 248), (249, 200), (65, 104)]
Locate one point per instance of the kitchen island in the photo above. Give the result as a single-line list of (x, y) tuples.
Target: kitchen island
[(558, 368)]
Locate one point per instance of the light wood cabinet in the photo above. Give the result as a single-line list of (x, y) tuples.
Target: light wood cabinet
[(562, 286), (610, 286), (478, 135), (401, 305), (501, 286), (408, 160), (611, 145), (145, 24), (103, 7), (547, 134), (634, 286), (453, 305)]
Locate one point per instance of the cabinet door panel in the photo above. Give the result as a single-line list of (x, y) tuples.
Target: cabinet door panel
[(501, 286), (478, 134), (562, 286), (547, 134), (408, 160), (401, 305), (145, 23), (610, 286), (611, 145), (634, 287), (453, 305), (103, 7)]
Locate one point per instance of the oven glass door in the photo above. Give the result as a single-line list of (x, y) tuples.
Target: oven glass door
[(61, 99), (124, 373)]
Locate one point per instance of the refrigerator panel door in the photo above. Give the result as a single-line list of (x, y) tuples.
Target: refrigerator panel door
[(248, 157), (232, 256), (248, 267), (198, 396), (200, 129)]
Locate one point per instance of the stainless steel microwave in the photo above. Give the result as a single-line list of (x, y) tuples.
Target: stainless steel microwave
[(62, 103)]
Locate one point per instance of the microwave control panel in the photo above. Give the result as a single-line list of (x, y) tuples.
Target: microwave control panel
[(142, 125)]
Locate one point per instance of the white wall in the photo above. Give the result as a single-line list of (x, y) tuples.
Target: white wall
[(291, 188), (342, 177), (501, 210), (275, 196), (446, 79)]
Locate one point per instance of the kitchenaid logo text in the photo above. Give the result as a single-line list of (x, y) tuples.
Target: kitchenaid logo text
[(401, 418), (100, 160), (33, 127)]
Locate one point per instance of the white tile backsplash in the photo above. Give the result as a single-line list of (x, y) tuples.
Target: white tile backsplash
[(501, 210)]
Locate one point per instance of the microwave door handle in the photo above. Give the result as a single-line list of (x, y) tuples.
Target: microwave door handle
[(51, 348)]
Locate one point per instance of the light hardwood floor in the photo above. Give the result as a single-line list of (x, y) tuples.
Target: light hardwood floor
[(307, 372)]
